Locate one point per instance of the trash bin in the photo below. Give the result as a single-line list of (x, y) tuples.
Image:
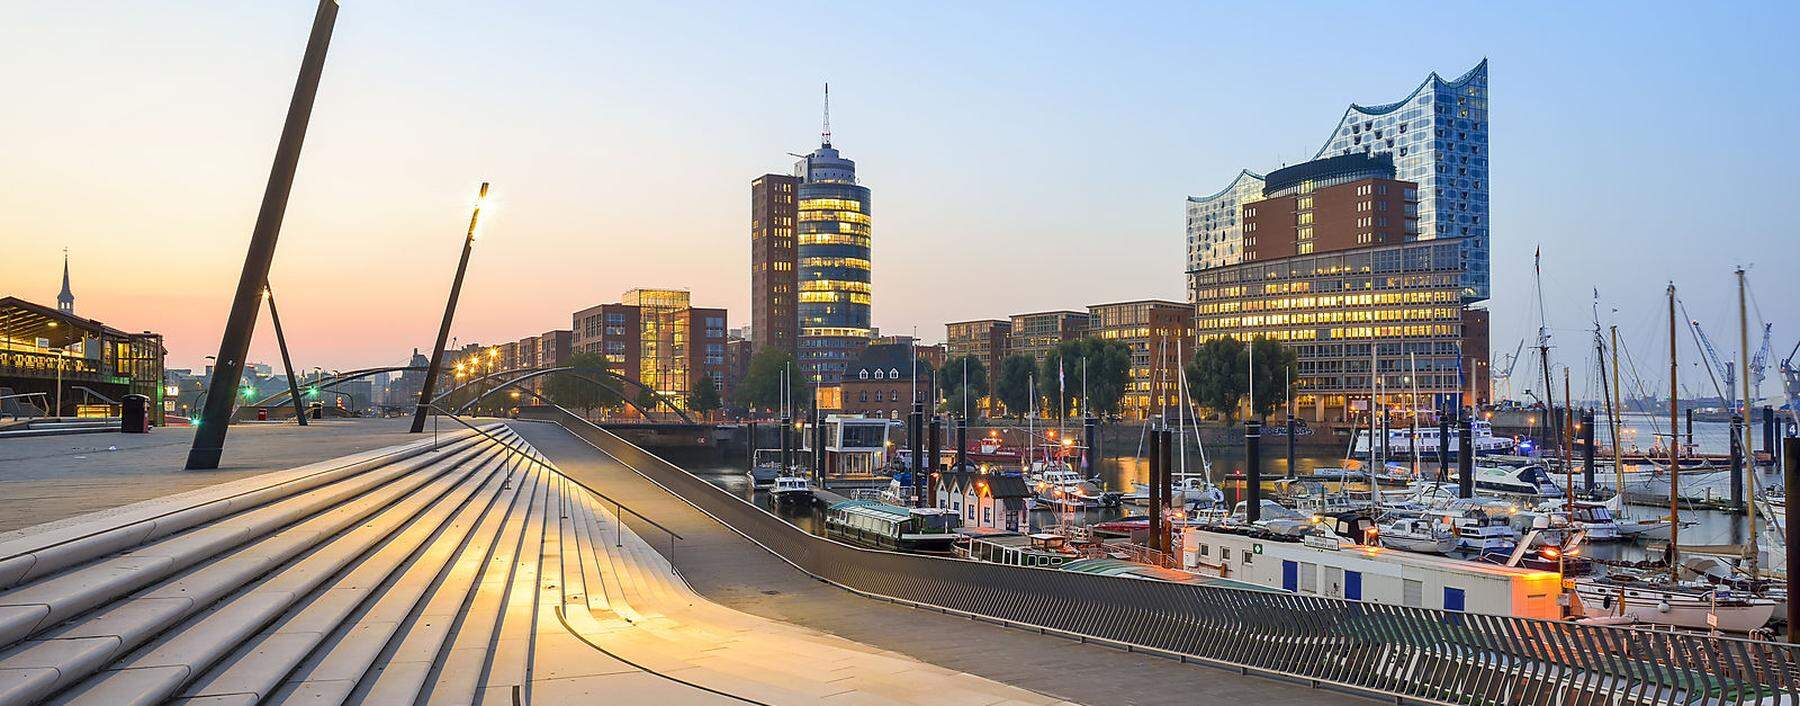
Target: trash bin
[(134, 415), (262, 414)]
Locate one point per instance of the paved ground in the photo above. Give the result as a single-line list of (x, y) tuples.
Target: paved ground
[(49, 478), (730, 570)]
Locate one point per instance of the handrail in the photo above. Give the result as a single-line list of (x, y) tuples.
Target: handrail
[(553, 469)]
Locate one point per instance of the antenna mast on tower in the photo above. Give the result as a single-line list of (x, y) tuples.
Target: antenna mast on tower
[(825, 133)]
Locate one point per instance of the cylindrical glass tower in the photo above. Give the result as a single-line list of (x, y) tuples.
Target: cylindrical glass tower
[(833, 252)]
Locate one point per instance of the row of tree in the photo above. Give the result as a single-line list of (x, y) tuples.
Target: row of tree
[(1219, 377)]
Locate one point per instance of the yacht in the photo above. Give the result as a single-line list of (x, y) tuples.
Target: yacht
[(1592, 518), (1064, 488), (792, 490), (1480, 524), (1275, 518), (1416, 534), (1695, 605), (765, 467), (1530, 480)]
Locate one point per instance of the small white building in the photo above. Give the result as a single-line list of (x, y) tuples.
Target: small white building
[(987, 500), (1328, 566)]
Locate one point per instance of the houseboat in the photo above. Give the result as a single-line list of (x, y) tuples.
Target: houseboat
[(1400, 442), (883, 526), (1328, 565), (858, 451)]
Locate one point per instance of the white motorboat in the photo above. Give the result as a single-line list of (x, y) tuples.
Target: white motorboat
[(1692, 605), (1481, 525), (1594, 519), (1416, 534), (1275, 518), (1530, 480), (1065, 488), (792, 490)]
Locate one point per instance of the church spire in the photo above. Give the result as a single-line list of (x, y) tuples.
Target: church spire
[(65, 302)]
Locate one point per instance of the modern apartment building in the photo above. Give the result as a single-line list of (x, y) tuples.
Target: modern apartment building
[(656, 338), (986, 340), (1160, 334), (1037, 334), (774, 277)]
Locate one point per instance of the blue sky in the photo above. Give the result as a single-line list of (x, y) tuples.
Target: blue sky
[(1023, 156)]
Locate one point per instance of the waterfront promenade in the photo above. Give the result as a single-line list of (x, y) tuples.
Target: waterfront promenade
[(470, 573), (727, 568)]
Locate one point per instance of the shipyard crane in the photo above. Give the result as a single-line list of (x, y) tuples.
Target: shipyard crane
[(1759, 363), (1790, 384), (1722, 373), (1502, 376)]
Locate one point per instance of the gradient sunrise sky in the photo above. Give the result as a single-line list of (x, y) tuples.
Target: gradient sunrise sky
[(1023, 156)]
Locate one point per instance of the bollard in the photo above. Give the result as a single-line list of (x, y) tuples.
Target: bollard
[(1790, 465), (1252, 471), (1443, 446), (1465, 457), (787, 443), (1158, 488)]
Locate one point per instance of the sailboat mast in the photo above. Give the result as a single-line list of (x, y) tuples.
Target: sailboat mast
[(1413, 444), (1180, 414), (1613, 410), (1568, 440), (1674, 450), (1750, 548), (1537, 279)]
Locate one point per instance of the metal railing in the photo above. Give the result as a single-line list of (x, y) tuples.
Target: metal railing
[(524, 455), (1396, 652)]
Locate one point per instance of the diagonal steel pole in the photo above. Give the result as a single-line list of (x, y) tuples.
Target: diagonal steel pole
[(286, 362), (437, 351), (209, 439)]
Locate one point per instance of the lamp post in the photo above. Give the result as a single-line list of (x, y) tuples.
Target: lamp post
[(437, 351), (209, 440)]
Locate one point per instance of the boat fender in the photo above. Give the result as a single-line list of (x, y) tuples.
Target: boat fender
[(1662, 607)]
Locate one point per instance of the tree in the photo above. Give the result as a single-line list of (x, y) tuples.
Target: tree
[(1219, 375), (761, 387), (1108, 366), (1013, 387), (950, 379), (1274, 362), (577, 388), (705, 396), (1216, 376)]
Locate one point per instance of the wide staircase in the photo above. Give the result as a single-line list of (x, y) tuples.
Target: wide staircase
[(467, 570)]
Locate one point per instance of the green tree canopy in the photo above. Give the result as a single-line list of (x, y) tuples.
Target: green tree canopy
[(1273, 363), (950, 381), (761, 387), (578, 388), (705, 396), (1013, 387), (1108, 370), (1219, 375)]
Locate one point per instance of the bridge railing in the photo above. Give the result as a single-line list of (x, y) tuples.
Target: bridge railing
[(1397, 652)]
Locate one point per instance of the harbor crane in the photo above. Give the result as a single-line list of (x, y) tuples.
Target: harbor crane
[(1502, 374), (1722, 373)]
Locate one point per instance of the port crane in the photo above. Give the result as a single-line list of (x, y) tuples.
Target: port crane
[(1502, 374), (1722, 372)]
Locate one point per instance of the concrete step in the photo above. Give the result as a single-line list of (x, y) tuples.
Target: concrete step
[(46, 601), (408, 660), (173, 581), (234, 596)]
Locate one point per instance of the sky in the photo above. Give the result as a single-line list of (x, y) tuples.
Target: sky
[(1022, 155)]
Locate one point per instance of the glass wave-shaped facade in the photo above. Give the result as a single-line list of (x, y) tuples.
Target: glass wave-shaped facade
[(1438, 138)]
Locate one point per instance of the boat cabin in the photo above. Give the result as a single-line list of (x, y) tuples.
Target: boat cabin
[(1329, 566), (886, 526), (855, 447)]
